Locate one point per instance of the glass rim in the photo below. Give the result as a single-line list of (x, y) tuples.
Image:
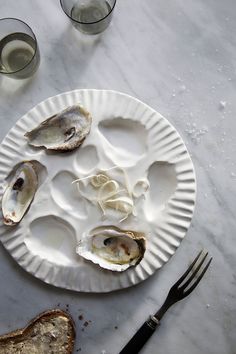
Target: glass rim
[(36, 46), (87, 23)]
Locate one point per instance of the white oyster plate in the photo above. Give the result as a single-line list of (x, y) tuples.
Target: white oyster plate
[(127, 133)]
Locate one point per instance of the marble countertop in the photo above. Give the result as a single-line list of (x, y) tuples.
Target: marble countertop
[(180, 58)]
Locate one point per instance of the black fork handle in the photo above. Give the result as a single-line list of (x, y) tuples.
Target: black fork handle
[(141, 336)]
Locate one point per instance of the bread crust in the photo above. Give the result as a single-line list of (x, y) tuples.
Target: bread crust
[(21, 334)]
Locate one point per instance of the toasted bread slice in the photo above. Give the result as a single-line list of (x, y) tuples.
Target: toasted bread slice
[(52, 332)]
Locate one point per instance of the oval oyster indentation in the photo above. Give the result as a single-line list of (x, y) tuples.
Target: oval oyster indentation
[(52, 238), (163, 182), (65, 194), (126, 135), (86, 158)]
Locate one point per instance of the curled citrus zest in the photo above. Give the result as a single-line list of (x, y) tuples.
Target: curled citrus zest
[(124, 218), (108, 189), (123, 204), (111, 193), (98, 180), (90, 176), (100, 203), (82, 179)]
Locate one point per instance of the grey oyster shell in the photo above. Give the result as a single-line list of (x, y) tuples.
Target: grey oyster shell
[(112, 248), (19, 193), (65, 131)]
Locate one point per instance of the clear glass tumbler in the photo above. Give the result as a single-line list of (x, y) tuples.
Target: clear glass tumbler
[(19, 52), (89, 16)]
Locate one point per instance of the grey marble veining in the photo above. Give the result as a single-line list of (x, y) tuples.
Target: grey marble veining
[(180, 58)]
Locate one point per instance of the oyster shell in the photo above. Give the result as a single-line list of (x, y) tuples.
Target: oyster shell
[(19, 193), (64, 131), (113, 248)]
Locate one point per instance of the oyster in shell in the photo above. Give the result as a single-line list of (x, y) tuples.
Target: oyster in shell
[(113, 248), (64, 131), (19, 193)]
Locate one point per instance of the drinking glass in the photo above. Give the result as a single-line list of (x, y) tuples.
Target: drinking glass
[(89, 16), (19, 52)]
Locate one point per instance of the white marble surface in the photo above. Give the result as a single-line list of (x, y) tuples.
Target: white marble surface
[(180, 58)]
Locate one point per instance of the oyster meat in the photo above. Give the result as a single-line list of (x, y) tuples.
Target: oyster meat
[(19, 193), (113, 248), (64, 131)]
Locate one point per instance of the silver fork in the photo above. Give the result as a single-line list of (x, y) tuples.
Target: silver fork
[(179, 291)]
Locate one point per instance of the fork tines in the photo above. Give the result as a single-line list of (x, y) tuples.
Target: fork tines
[(195, 276)]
